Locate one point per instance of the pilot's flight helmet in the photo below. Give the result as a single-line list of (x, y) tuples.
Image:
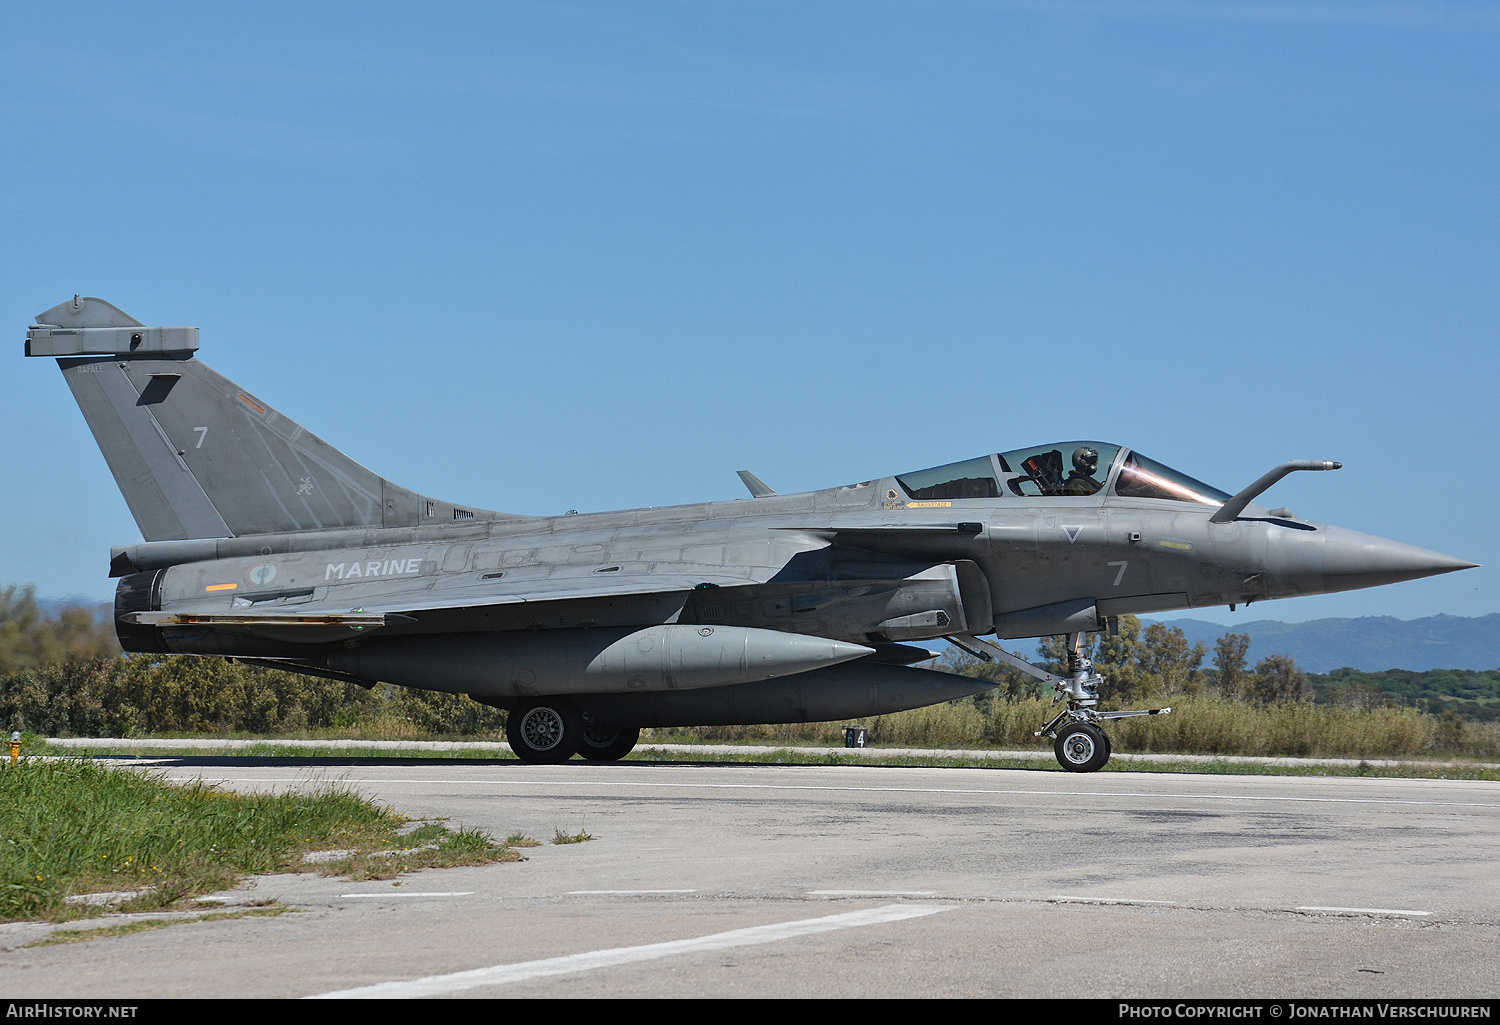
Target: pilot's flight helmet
[(1086, 460)]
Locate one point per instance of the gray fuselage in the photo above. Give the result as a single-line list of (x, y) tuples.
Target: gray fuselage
[(264, 542)]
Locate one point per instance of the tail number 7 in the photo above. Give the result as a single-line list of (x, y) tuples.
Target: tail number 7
[(1120, 575)]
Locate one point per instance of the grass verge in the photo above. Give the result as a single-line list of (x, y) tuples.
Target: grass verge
[(72, 827), (269, 747), (802, 749), (58, 936)]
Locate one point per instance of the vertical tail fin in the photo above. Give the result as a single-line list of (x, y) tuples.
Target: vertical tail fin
[(195, 455)]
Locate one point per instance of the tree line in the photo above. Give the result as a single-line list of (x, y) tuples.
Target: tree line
[(62, 674), (30, 636), (1155, 661)]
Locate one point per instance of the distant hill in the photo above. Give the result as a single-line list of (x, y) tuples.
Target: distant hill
[(1371, 643)]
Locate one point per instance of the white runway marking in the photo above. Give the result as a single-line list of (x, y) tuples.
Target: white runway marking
[(872, 893), (616, 893), (414, 893), (375, 781), (1367, 911), (499, 975)]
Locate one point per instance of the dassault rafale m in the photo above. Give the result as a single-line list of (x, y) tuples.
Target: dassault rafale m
[(265, 544)]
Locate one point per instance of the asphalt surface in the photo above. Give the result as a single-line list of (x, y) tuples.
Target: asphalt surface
[(853, 881)]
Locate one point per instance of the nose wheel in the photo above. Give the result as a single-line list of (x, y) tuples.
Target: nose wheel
[(1078, 740), (1081, 747)]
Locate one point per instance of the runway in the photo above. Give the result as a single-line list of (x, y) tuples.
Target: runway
[(849, 881)]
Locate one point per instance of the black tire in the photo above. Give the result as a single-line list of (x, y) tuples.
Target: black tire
[(544, 732), (603, 743), (1081, 747)]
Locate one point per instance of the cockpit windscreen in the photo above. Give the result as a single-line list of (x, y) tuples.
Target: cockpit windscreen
[(1146, 478), (1073, 468), (972, 478)]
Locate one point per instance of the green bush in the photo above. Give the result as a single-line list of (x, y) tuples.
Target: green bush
[(137, 695)]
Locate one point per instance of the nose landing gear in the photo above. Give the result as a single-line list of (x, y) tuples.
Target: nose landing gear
[(1081, 747), (1078, 739)]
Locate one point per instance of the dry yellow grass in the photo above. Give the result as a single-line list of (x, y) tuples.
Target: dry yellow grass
[(1197, 725)]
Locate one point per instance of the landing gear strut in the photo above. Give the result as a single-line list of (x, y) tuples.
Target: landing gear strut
[(1078, 739)]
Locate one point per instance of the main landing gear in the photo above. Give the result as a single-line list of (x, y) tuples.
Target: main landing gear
[(1078, 738), (545, 731), (603, 743)]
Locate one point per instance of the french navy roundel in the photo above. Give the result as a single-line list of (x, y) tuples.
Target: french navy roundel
[(262, 573)]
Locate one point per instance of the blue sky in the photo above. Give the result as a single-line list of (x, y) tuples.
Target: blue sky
[(540, 257)]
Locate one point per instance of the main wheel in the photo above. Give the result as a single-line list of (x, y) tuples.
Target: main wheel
[(1081, 747), (603, 743), (544, 731)]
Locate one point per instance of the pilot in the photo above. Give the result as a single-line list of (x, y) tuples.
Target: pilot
[(1081, 481)]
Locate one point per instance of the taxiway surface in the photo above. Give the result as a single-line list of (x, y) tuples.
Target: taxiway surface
[(797, 880)]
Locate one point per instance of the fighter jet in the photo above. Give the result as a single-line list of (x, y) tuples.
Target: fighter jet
[(264, 543)]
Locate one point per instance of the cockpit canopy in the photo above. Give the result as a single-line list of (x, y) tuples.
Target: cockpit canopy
[(1072, 469)]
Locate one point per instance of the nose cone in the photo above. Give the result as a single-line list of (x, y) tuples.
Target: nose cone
[(1351, 560)]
